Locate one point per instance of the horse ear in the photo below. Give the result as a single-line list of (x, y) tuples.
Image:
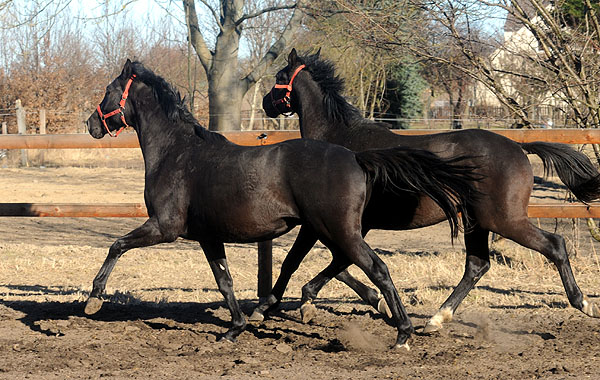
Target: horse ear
[(293, 57), (127, 69), (318, 53)]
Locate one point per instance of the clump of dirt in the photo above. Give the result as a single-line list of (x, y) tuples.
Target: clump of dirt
[(355, 338)]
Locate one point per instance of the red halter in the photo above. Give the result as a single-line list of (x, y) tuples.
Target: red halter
[(118, 110), (286, 99)]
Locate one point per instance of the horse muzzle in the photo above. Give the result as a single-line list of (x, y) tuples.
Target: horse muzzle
[(94, 126)]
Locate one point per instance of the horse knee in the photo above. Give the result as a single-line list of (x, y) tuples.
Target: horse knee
[(116, 249), (170, 235)]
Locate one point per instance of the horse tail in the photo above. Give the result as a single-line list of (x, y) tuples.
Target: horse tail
[(448, 182), (573, 168)]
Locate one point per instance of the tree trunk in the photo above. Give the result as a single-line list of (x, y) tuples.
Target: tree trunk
[(458, 108), (224, 105), (226, 89)]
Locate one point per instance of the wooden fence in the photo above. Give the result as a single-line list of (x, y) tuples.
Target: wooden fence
[(256, 138)]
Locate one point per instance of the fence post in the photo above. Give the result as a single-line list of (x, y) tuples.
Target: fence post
[(4, 128), (21, 128), (42, 132), (265, 269)]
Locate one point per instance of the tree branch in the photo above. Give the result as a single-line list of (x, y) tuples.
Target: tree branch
[(276, 49), (263, 11), (214, 14), (196, 39)]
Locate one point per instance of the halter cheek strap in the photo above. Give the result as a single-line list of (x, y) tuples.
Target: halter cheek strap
[(286, 99), (119, 110)]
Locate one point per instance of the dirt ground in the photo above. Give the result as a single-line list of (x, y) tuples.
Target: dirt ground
[(165, 314)]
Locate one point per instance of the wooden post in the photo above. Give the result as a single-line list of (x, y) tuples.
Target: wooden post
[(265, 269), (42, 121), (42, 132), (4, 128), (22, 128)]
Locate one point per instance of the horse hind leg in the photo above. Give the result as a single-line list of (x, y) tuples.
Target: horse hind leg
[(146, 235), (553, 247), (379, 274), (310, 290), (355, 250), (477, 264), (368, 294)]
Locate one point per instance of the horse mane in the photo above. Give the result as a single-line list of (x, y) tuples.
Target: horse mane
[(170, 101), (336, 107)]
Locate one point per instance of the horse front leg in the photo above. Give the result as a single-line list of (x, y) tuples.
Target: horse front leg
[(215, 254), (144, 236), (304, 242)]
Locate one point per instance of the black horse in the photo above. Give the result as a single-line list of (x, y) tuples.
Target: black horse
[(200, 186), (309, 87)]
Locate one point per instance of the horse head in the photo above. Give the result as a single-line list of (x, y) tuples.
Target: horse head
[(111, 115), (279, 100)]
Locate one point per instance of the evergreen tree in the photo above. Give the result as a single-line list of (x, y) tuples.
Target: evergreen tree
[(403, 92)]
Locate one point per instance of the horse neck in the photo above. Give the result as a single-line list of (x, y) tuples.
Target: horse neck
[(314, 123), (156, 133)]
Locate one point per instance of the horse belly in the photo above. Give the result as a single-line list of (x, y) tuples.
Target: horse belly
[(392, 212), (242, 222)]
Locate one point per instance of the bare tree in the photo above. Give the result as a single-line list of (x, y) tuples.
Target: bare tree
[(551, 57), (221, 62)]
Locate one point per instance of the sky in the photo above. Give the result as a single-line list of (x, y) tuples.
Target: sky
[(139, 8)]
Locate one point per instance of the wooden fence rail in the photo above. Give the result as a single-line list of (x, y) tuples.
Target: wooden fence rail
[(254, 138), (138, 210)]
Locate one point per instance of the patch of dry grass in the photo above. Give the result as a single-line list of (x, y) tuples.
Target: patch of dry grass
[(518, 277)]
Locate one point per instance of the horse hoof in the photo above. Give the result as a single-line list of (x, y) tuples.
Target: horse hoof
[(591, 308), (227, 339), (431, 327), (93, 305), (256, 316), (402, 347), (436, 322), (383, 308), (308, 312)]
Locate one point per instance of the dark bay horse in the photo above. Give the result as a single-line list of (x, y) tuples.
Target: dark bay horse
[(200, 186), (309, 87)]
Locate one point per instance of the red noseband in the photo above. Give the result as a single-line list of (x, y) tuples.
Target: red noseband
[(286, 99), (120, 110)]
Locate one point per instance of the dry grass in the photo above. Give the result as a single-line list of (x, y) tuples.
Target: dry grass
[(180, 273), (85, 158)]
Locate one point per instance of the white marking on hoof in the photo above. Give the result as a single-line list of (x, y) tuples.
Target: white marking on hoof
[(256, 316), (435, 323), (308, 312), (93, 305), (383, 307), (402, 346), (591, 309)]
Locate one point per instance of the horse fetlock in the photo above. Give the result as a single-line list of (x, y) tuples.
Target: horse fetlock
[(591, 308), (93, 305), (308, 311), (436, 322)]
